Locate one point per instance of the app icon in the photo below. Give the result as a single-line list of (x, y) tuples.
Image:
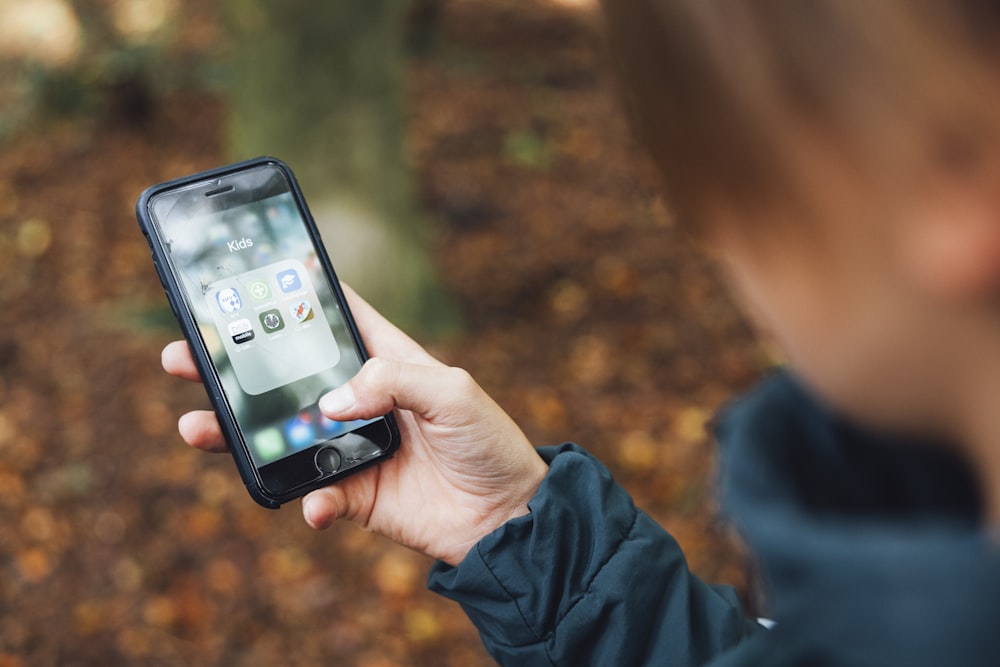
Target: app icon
[(229, 300), (268, 443), (259, 290), (300, 431), (289, 280), (271, 321), (301, 311), (241, 331)]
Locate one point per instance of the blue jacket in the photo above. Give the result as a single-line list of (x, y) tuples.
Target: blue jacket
[(872, 552)]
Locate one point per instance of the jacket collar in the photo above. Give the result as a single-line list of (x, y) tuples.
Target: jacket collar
[(871, 548)]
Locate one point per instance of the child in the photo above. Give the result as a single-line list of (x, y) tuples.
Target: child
[(840, 161)]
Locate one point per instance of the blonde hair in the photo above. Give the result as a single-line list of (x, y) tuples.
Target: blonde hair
[(716, 88)]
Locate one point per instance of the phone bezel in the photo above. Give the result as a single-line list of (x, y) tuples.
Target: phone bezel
[(252, 476)]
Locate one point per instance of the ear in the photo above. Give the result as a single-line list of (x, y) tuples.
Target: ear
[(951, 245)]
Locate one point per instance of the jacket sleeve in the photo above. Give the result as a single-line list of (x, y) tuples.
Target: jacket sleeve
[(587, 579)]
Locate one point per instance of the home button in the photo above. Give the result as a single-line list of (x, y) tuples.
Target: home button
[(328, 460)]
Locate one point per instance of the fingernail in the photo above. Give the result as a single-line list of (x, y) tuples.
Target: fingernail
[(310, 508), (339, 400)]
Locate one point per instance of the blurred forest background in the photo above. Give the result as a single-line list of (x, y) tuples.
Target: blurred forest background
[(482, 134)]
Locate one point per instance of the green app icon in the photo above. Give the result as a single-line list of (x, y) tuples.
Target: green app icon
[(269, 444), (259, 290), (271, 321)]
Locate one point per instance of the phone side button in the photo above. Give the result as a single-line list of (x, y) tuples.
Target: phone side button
[(328, 460), (173, 306), (159, 271)]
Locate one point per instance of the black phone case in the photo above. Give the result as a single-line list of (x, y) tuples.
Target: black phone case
[(206, 369)]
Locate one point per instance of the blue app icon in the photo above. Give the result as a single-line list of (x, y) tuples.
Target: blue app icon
[(289, 280), (330, 427), (300, 431), (229, 300)]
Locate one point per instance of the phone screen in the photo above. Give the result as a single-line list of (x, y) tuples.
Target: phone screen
[(265, 309)]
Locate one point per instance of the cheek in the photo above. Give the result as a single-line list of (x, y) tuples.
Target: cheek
[(846, 322)]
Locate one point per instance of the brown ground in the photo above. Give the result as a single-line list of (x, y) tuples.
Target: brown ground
[(588, 318)]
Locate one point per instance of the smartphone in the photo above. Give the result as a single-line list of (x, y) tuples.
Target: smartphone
[(249, 280)]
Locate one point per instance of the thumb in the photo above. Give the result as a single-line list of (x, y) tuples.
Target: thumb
[(383, 385)]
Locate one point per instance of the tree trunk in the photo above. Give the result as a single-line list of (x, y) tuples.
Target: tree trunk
[(320, 85)]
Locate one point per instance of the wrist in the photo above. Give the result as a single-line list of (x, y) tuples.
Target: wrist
[(513, 507)]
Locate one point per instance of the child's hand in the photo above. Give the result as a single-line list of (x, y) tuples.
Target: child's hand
[(463, 469)]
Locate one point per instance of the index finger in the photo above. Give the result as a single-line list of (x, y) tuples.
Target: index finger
[(177, 360), (382, 337)]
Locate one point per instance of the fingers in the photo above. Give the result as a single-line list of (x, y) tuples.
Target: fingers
[(382, 389), (323, 507), (176, 359), (382, 337), (200, 429), (383, 385)]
